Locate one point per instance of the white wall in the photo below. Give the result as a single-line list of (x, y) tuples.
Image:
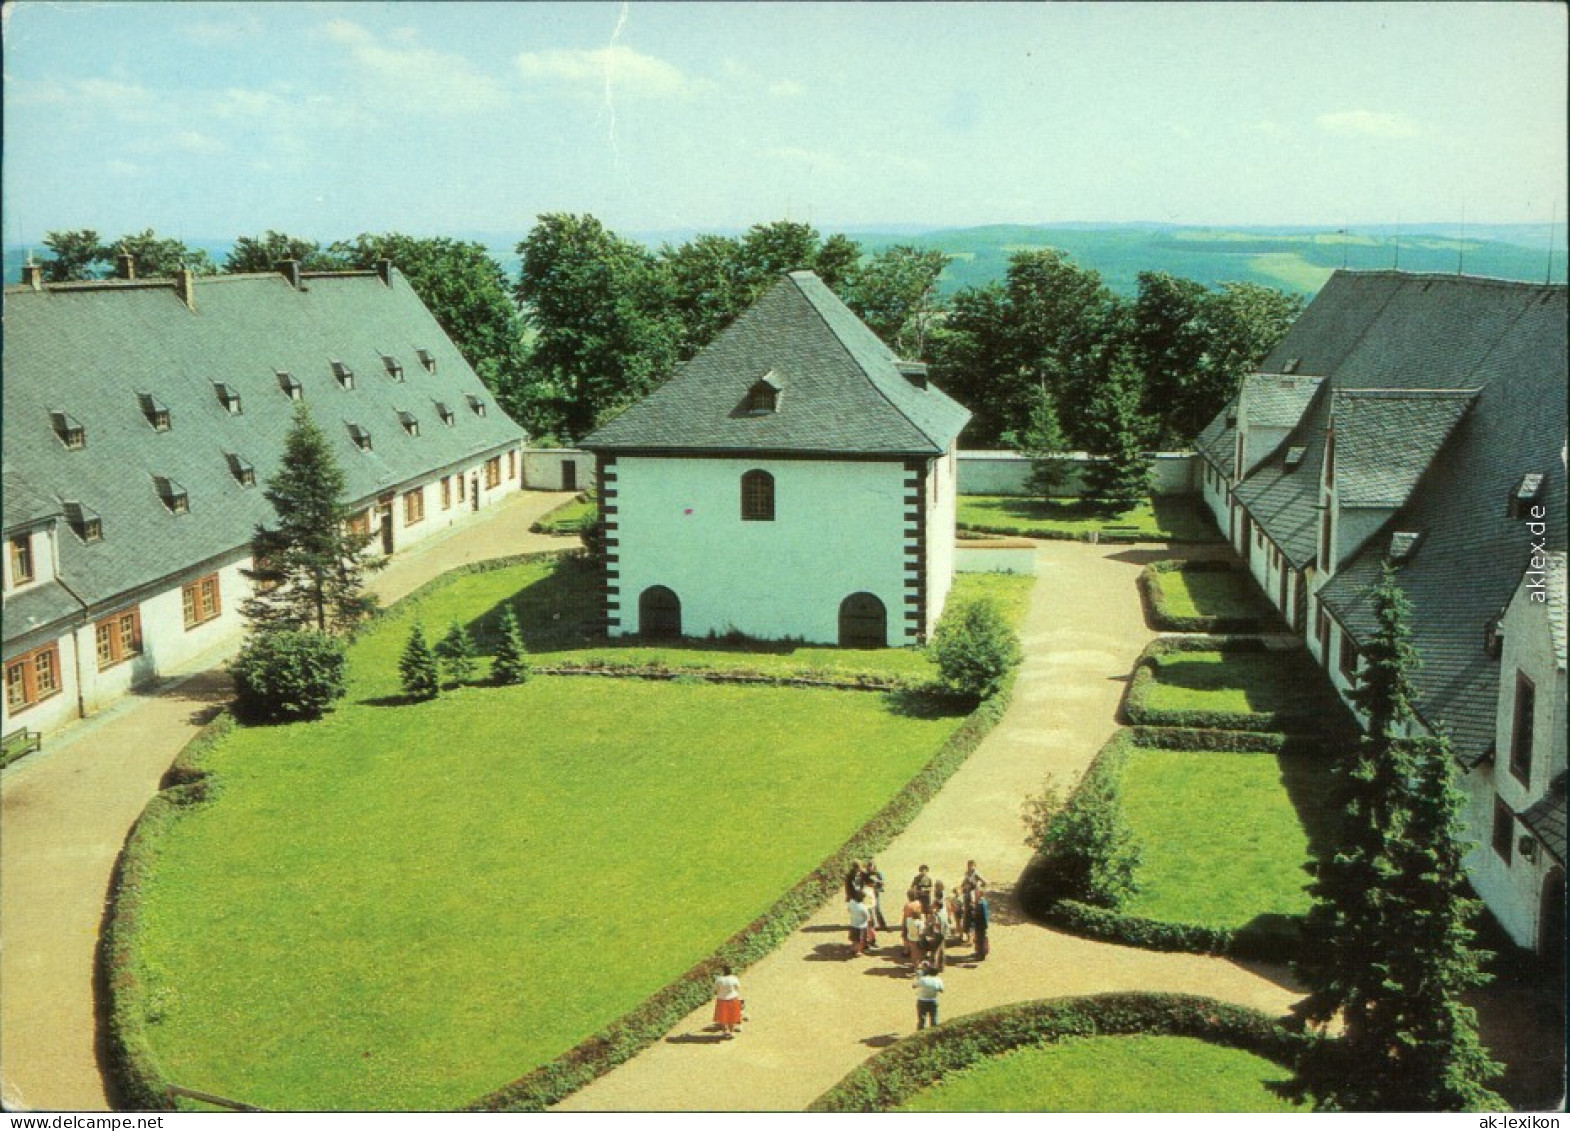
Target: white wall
[(838, 529), (941, 516), (1005, 473), (1513, 891), (542, 468), (1213, 490)]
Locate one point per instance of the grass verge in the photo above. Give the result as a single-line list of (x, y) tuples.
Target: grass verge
[(1160, 519)]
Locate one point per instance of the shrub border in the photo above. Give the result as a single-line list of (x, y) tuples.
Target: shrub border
[(893, 1076), (1276, 940), (1158, 609), (140, 1080), (646, 1023), (1136, 709)]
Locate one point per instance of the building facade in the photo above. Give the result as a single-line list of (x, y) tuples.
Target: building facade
[(1420, 421), (143, 419), (794, 480)]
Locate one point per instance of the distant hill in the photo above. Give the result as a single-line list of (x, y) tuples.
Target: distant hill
[(1295, 259)]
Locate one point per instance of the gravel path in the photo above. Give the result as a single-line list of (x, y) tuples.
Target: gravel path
[(65, 812), (817, 1013)]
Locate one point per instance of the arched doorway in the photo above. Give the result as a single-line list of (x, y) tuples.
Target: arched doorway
[(864, 623), (659, 613), (1551, 924)]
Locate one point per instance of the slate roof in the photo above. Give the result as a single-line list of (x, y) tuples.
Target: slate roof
[(1274, 401), (841, 390), (1506, 340), (1546, 819), (1385, 440), (90, 350), (24, 505), (1217, 442), (1556, 605)]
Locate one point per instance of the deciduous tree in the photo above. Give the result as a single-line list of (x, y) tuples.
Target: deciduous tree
[(266, 251), (894, 292), (75, 256)]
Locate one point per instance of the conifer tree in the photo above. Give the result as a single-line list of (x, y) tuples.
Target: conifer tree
[(308, 571), (510, 664), (457, 652), (417, 667), (1389, 937), (1121, 480), (1044, 442)]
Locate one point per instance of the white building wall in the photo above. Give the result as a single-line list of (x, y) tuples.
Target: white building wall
[(1513, 890), (942, 512), (1213, 490), (40, 544), (56, 710), (1006, 472), (838, 529), (544, 469)]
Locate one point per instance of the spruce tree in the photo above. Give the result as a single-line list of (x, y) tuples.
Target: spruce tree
[(1120, 480), (1389, 937), (308, 571), (1045, 443), (457, 652), (510, 664), (417, 667)]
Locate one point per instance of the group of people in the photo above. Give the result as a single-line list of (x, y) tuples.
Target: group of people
[(931, 918)]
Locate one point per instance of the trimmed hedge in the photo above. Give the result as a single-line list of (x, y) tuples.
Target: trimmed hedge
[(920, 1061), (643, 1026), (1158, 610), (139, 1081), (1136, 700), (561, 520), (1200, 740)]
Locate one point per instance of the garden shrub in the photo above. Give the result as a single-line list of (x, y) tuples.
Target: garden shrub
[(975, 648), (1086, 847), (896, 1074), (288, 675)]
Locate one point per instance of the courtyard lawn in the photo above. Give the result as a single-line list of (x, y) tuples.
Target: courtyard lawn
[(1235, 681), (1226, 593), (569, 518), (1154, 520), (407, 907), (1223, 837), (1113, 1074), (558, 603)]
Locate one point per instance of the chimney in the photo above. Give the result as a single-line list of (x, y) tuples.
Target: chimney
[(125, 266), (384, 270), (185, 286), (289, 269), (32, 274)]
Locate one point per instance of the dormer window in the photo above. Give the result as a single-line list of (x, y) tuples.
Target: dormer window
[(393, 366), (244, 474), (427, 359), (361, 438), (86, 523), (1291, 364), (1494, 637), (156, 412), (1527, 495), (228, 398), (477, 405), (410, 422), (343, 374), (1294, 457), (444, 411), (70, 430), (172, 494), (1403, 544), (290, 384), (913, 371)]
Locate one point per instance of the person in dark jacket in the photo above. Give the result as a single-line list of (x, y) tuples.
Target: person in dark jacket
[(981, 923)]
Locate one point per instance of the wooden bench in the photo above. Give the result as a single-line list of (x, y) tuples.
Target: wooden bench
[(19, 742)]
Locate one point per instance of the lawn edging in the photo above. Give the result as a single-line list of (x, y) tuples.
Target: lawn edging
[(1271, 938), (1137, 711), (1158, 610), (648, 1022), (138, 1080), (894, 1075)]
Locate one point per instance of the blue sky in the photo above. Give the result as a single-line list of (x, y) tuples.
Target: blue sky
[(209, 120)]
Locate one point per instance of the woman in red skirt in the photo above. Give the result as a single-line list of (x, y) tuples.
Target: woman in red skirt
[(727, 1001)]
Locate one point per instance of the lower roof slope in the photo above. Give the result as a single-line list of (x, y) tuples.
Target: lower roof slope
[(840, 390), (92, 351)]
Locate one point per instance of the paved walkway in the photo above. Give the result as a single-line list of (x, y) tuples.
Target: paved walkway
[(65, 812), (817, 1014)]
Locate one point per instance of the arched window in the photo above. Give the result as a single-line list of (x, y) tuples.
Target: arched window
[(864, 622), (757, 497), (659, 613)]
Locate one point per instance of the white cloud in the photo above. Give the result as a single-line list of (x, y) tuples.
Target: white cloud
[(1367, 123), (622, 69), (413, 78)]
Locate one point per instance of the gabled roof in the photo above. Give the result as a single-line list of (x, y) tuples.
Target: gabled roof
[(1386, 438), (1473, 554), (845, 393), (1546, 819), (92, 350), (1274, 401), (1217, 441)]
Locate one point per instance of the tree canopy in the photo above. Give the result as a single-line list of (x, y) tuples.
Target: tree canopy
[(80, 255)]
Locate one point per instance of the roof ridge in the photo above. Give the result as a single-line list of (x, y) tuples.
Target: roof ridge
[(797, 277)]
